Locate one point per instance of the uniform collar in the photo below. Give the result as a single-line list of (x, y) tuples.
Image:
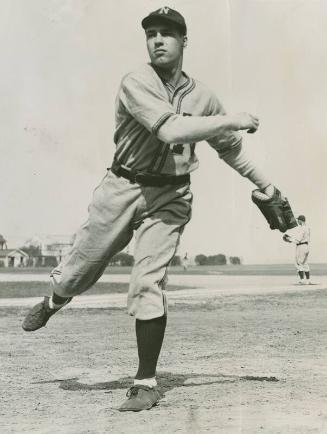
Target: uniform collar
[(183, 81)]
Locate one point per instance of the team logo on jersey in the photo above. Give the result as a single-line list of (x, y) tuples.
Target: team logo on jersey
[(179, 148), (164, 10)]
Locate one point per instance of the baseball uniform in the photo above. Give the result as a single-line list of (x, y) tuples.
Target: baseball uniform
[(146, 191), (300, 236), (156, 214)]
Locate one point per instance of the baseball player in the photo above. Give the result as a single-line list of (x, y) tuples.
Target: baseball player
[(185, 262), (301, 238), (161, 112)]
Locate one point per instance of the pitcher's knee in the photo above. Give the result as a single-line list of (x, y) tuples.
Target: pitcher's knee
[(68, 286), (146, 299)]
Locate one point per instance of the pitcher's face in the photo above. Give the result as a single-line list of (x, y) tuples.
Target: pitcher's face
[(165, 45)]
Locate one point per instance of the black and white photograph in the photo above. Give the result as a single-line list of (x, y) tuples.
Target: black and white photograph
[(163, 243)]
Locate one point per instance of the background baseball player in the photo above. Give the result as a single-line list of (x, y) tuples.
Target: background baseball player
[(161, 113), (301, 238), (185, 262)]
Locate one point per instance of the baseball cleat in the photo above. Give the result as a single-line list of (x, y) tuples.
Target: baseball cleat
[(141, 397), (39, 315)]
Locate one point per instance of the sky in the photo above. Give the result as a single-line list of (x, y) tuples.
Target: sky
[(62, 62)]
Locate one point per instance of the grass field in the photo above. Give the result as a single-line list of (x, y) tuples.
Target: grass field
[(37, 289), (231, 270)]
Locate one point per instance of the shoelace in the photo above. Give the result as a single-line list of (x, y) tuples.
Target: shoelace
[(134, 390)]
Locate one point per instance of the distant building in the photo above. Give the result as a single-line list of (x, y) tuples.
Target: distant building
[(47, 251), (13, 258), (57, 250), (55, 247)]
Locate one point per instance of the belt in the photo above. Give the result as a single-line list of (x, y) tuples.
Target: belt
[(300, 244), (149, 179)]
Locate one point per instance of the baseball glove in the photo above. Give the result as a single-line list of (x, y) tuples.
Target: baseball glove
[(276, 209)]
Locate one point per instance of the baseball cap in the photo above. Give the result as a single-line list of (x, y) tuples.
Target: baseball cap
[(301, 217), (167, 14)]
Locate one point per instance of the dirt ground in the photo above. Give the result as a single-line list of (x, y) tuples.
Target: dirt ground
[(240, 363)]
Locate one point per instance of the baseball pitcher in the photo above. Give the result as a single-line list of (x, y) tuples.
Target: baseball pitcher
[(161, 113)]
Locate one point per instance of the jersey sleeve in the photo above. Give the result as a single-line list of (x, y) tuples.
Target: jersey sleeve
[(225, 140), (237, 158), (145, 101), (229, 147), (293, 235)]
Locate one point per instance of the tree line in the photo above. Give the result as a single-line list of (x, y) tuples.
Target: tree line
[(125, 259)]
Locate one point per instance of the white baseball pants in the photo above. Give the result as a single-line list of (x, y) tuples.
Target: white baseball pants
[(301, 257), (119, 208)]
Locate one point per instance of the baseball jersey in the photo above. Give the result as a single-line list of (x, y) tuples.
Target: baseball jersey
[(300, 234), (145, 101)]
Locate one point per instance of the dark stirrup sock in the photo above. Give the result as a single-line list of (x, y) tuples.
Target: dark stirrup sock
[(307, 274), (301, 274), (59, 300), (149, 336)]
